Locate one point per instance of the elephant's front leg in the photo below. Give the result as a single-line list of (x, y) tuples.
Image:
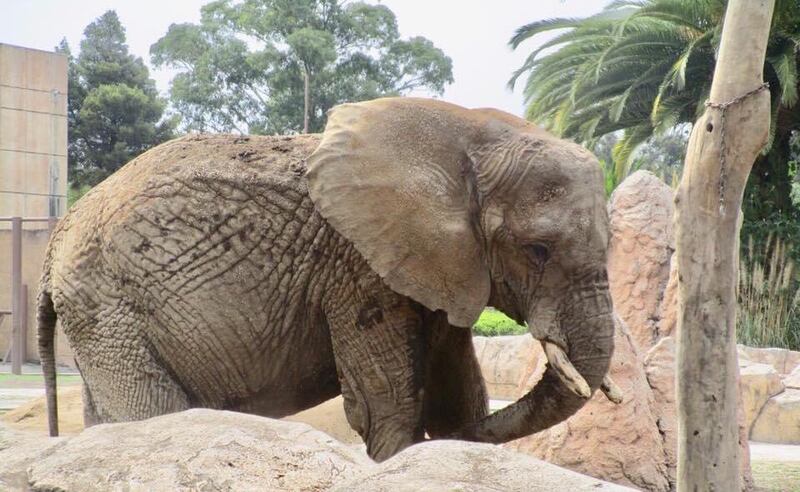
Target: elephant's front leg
[(378, 345), (455, 393)]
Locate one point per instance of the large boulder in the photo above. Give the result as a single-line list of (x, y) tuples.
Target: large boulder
[(18, 449), (198, 450), (757, 384), (640, 248), (779, 420), (619, 443), (462, 466)]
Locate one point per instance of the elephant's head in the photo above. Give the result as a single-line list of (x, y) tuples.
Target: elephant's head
[(459, 209)]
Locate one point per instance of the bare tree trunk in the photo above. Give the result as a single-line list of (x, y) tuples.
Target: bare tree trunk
[(306, 97), (724, 143)]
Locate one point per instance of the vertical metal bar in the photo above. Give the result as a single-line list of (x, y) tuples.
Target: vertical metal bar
[(16, 293), (22, 336)]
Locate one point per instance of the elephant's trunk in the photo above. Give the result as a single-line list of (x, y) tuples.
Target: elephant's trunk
[(588, 328)]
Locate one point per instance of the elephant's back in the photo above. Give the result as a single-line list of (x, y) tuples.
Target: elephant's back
[(241, 161), (190, 173), (184, 199)]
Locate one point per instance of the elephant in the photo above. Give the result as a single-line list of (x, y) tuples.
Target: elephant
[(267, 274)]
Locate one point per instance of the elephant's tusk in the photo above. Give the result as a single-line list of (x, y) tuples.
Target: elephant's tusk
[(566, 371), (611, 390)]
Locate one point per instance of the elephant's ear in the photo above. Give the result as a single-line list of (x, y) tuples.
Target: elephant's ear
[(391, 176)]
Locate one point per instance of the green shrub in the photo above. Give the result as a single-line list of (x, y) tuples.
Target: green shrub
[(768, 313), (493, 323), (75, 193)]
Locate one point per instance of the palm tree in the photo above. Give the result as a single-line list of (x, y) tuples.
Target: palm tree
[(643, 66)]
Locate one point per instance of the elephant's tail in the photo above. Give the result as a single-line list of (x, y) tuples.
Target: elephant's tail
[(46, 319)]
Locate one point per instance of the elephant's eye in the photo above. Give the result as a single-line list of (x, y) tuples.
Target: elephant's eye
[(538, 253)]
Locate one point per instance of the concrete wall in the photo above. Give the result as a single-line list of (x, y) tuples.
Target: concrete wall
[(33, 169), (33, 132)]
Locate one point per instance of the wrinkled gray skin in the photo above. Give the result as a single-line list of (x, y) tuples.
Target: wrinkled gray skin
[(260, 275)]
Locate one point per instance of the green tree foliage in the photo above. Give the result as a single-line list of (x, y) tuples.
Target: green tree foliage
[(644, 66), (494, 323), (114, 112), (246, 66), (662, 154)]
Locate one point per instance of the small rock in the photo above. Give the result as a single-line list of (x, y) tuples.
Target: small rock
[(793, 379), (757, 384), (779, 420), (508, 364), (792, 361), (784, 361)]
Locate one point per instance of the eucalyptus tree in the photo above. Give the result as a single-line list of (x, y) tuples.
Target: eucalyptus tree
[(277, 66)]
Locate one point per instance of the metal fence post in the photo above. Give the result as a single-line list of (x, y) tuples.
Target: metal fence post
[(16, 294), (22, 335)]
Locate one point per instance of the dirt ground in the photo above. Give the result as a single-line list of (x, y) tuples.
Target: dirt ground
[(32, 416)]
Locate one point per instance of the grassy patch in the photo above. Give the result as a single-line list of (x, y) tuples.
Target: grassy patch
[(776, 475), (493, 323), (6, 378)]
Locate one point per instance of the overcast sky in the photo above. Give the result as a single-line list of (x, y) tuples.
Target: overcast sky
[(474, 33)]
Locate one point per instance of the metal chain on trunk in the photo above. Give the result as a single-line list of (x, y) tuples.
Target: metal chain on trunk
[(723, 107)]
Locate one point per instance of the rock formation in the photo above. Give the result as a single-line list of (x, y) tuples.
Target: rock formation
[(619, 443), (640, 214), (227, 451)]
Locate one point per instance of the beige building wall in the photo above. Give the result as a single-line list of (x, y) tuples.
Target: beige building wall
[(33, 169), (33, 132)]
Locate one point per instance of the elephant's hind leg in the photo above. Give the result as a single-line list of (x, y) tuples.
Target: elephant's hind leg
[(90, 415), (123, 378), (379, 361), (138, 388)]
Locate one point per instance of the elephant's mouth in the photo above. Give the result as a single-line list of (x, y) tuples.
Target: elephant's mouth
[(575, 370)]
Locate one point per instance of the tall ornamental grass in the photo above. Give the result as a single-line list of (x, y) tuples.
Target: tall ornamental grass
[(768, 313)]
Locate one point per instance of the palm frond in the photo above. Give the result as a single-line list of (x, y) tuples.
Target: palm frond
[(785, 67), (529, 30), (623, 150)]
